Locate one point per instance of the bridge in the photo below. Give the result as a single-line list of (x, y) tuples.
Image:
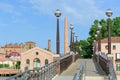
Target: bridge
[(72, 67)]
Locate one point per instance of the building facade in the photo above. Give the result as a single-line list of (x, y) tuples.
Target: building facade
[(115, 51), (8, 48), (36, 58)]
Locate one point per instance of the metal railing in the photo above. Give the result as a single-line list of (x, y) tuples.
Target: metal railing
[(112, 73), (43, 73), (80, 75)]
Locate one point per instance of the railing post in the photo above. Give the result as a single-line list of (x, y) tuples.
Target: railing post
[(73, 58), (57, 60)]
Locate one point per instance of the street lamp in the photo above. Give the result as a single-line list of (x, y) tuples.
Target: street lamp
[(57, 14), (77, 49), (73, 35), (94, 48), (76, 38), (73, 40), (99, 41), (109, 14), (71, 28)]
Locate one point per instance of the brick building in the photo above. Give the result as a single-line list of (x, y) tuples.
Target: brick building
[(36, 58), (8, 48)]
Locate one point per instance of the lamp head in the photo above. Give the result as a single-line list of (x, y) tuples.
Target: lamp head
[(57, 13), (71, 27), (109, 13)]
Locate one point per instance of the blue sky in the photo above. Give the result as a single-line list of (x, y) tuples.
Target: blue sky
[(34, 20)]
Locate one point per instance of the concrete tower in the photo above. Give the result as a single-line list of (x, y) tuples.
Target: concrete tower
[(65, 35)]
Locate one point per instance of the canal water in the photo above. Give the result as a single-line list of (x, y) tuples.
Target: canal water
[(3, 78)]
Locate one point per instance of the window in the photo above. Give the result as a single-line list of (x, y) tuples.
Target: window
[(37, 53), (117, 55), (117, 67), (106, 47), (46, 62), (36, 63), (114, 47), (27, 62)]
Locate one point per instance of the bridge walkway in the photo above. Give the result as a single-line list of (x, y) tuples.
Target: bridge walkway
[(93, 71), (70, 72)]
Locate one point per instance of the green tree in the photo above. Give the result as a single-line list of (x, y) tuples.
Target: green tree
[(18, 64), (86, 49), (86, 45)]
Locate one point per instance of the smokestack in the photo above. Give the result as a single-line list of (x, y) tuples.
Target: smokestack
[(49, 45), (65, 35)]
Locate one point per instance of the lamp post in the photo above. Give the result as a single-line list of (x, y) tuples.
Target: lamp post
[(109, 14), (71, 39), (94, 48), (73, 35), (99, 38), (57, 14), (77, 49), (76, 38), (96, 45)]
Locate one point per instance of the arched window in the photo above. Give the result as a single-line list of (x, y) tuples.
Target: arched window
[(46, 62), (36, 63), (28, 63)]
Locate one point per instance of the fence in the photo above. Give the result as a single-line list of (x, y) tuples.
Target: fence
[(65, 62), (47, 72), (112, 74), (107, 65), (43, 73)]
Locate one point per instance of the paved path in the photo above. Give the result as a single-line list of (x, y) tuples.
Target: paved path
[(93, 71), (70, 72)]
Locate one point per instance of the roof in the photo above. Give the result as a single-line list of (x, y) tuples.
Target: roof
[(37, 48), (30, 42), (13, 46), (14, 54), (113, 40)]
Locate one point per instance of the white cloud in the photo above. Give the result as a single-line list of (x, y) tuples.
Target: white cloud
[(79, 11)]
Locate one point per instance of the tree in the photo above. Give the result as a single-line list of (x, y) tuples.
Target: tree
[(18, 64), (86, 49), (86, 45)]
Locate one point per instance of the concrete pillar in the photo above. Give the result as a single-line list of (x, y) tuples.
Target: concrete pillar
[(49, 45), (56, 58), (65, 35)]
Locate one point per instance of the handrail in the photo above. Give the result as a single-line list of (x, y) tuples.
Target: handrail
[(43, 73), (80, 75), (63, 57), (112, 74)]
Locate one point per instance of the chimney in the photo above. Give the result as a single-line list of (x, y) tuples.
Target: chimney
[(65, 35), (49, 45)]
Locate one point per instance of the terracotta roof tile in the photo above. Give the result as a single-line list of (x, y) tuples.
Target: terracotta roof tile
[(113, 40), (14, 54)]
